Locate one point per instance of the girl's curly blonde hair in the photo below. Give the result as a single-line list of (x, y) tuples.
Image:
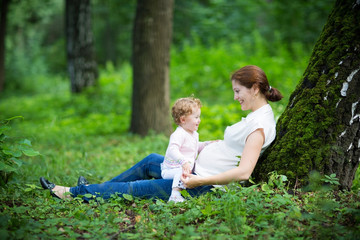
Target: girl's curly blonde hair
[(184, 107)]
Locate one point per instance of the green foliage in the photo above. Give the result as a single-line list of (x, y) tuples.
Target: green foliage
[(112, 26), (26, 31), (239, 212), (11, 152), (235, 20), (199, 69), (332, 179), (35, 39), (356, 182), (275, 181)]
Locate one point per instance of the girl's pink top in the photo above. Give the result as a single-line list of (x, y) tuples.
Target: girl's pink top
[(183, 147)]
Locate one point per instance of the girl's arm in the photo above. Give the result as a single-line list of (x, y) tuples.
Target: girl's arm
[(247, 164), (204, 144), (173, 151)]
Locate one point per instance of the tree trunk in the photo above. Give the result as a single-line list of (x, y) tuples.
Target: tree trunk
[(319, 130), (3, 22), (151, 57), (82, 66)]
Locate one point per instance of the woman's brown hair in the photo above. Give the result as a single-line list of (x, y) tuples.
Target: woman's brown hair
[(249, 75)]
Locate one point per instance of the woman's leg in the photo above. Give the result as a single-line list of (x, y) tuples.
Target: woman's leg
[(147, 168), (155, 188)]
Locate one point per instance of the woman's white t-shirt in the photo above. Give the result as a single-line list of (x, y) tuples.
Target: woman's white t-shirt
[(224, 155)]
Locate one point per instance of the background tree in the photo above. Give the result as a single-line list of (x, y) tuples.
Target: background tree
[(3, 20), (151, 58), (82, 66), (319, 129)]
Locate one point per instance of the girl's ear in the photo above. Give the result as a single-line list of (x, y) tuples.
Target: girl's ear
[(182, 119)]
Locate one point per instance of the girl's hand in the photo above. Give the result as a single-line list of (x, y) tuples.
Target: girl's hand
[(213, 141), (186, 168), (191, 180)]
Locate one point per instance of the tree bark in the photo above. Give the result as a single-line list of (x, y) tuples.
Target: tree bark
[(152, 35), (3, 22), (82, 66), (319, 130)]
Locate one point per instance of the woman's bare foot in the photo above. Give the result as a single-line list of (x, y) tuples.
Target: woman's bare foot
[(62, 192)]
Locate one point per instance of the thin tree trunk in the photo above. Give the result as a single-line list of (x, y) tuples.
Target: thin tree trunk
[(319, 130), (3, 22), (82, 66), (152, 35)]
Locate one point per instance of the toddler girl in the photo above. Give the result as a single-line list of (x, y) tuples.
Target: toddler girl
[(184, 144)]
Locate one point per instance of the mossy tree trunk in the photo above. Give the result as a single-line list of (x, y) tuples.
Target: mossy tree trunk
[(81, 62), (151, 58), (319, 130)]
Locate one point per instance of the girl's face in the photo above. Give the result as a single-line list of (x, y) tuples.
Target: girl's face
[(191, 122), (244, 96)]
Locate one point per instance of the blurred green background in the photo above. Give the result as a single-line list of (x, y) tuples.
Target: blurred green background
[(35, 40)]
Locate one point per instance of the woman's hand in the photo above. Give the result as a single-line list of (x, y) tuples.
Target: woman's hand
[(191, 180)]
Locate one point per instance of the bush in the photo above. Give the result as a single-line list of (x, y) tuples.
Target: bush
[(11, 151)]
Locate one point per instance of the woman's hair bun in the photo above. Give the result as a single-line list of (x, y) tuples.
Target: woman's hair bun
[(273, 94)]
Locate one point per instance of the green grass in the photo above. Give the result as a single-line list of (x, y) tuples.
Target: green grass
[(87, 135)]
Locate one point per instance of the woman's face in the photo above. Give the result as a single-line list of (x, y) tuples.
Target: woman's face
[(243, 95)]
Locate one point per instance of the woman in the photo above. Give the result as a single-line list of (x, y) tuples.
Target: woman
[(217, 164)]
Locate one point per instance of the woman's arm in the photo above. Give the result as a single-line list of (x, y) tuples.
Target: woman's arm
[(247, 164)]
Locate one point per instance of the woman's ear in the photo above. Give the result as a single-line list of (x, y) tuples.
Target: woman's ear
[(255, 89)]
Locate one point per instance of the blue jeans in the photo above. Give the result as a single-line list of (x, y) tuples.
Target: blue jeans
[(143, 180)]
